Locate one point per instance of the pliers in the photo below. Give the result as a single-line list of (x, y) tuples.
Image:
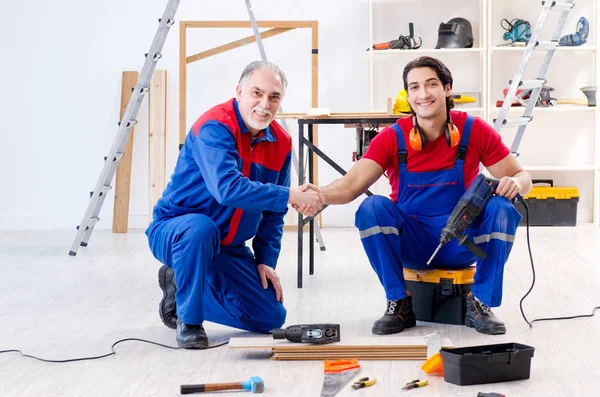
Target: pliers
[(364, 382), (414, 384)]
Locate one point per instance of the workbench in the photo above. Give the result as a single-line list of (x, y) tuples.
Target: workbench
[(348, 119)]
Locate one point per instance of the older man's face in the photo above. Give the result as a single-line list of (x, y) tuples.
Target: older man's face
[(259, 99)]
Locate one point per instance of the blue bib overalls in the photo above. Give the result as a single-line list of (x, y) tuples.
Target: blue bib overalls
[(405, 233)]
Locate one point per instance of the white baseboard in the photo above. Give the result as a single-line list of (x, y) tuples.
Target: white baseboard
[(65, 222), (141, 221)]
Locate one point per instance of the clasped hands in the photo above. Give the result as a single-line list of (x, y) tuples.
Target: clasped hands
[(306, 199)]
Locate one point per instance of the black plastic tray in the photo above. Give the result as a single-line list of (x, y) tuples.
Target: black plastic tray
[(476, 365)]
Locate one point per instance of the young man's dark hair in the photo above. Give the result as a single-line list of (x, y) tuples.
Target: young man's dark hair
[(438, 67)]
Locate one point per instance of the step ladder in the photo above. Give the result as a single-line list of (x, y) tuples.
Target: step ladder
[(111, 162), (263, 56), (535, 85)]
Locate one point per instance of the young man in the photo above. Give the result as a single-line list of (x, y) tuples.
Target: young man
[(231, 183), (430, 159)]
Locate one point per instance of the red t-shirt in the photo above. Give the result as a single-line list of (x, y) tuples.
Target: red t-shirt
[(485, 146)]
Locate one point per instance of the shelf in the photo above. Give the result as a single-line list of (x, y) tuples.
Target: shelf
[(488, 69), (428, 51), (559, 167), (468, 109), (556, 108), (558, 49)]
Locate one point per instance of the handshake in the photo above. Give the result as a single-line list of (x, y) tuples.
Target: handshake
[(306, 199)]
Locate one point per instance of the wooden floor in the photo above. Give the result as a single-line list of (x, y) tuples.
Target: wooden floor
[(57, 307)]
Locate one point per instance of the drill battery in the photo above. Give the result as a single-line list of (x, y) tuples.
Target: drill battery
[(439, 296)]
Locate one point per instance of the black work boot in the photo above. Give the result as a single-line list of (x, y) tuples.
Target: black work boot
[(191, 336), (399, 315), (481, 317), (167, 309)]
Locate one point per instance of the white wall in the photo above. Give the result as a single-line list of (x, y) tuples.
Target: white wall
[(61, 81), (60, 92)]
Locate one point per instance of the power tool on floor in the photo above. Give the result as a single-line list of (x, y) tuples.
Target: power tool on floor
[(470, 205), (309, 333)]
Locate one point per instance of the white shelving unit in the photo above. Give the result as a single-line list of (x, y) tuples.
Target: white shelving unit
[(562, 142), (393, 19)]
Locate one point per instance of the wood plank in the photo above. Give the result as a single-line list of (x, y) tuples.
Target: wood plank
[(342, 115), (248, 24), (358, 357), (355, 349), (343, 354), (235, 44), (157, 135), (182, 81), (294, 228), (380, 125), (123, 177), (369, 343)]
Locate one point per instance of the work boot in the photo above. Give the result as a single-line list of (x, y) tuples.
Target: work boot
[(167, 308), (399, 315), (191, 336), (481, 317)]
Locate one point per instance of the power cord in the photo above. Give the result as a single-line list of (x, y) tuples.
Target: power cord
[(530, 323), (104, 355)]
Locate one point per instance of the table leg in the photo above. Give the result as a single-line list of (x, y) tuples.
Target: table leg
[(311, 230), (300, 182)]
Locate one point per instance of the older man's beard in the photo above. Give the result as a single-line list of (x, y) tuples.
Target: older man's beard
[(257, 125)]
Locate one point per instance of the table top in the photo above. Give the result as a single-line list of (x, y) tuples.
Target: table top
[(343, 116)]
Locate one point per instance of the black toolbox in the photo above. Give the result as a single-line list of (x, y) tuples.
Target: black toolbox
[(439, 295), (477, 365), (550, 205)]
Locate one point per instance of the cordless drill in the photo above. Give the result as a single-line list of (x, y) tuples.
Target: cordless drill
[(470, 205), (309, 333)]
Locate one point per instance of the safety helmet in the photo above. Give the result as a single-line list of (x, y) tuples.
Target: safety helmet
[(456, 33), (401, 105)]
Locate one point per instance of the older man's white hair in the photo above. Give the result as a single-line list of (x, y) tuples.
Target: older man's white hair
[(265, 65)]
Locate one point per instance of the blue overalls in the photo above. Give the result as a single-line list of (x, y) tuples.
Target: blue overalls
[(215, 272), (214, 282), (405, 234)]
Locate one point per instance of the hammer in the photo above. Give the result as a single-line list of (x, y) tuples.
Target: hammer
[(590, 93), (255, 384)]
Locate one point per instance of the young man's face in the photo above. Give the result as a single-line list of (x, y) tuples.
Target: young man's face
[(259, 99), (426, 94)]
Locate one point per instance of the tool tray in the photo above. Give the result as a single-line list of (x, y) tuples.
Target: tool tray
[(476, 365)]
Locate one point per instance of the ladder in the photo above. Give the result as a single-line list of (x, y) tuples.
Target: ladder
[(263, 56), (111, 162), (535, 85)]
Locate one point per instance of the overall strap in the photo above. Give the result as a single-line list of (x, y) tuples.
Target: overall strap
[(402, 153), (464, 142)]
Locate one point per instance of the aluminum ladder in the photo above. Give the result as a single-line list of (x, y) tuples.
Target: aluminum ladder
[(535, 85), (111, 162)]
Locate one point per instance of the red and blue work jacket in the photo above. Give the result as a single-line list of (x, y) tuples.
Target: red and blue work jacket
[(241, 184)]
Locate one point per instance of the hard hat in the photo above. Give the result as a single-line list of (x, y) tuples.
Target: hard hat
[(401, 105), (456, 33)]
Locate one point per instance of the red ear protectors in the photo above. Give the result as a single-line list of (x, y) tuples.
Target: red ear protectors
[(417, 138)]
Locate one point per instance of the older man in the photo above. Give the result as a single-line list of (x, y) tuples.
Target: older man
[(231, 183)]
